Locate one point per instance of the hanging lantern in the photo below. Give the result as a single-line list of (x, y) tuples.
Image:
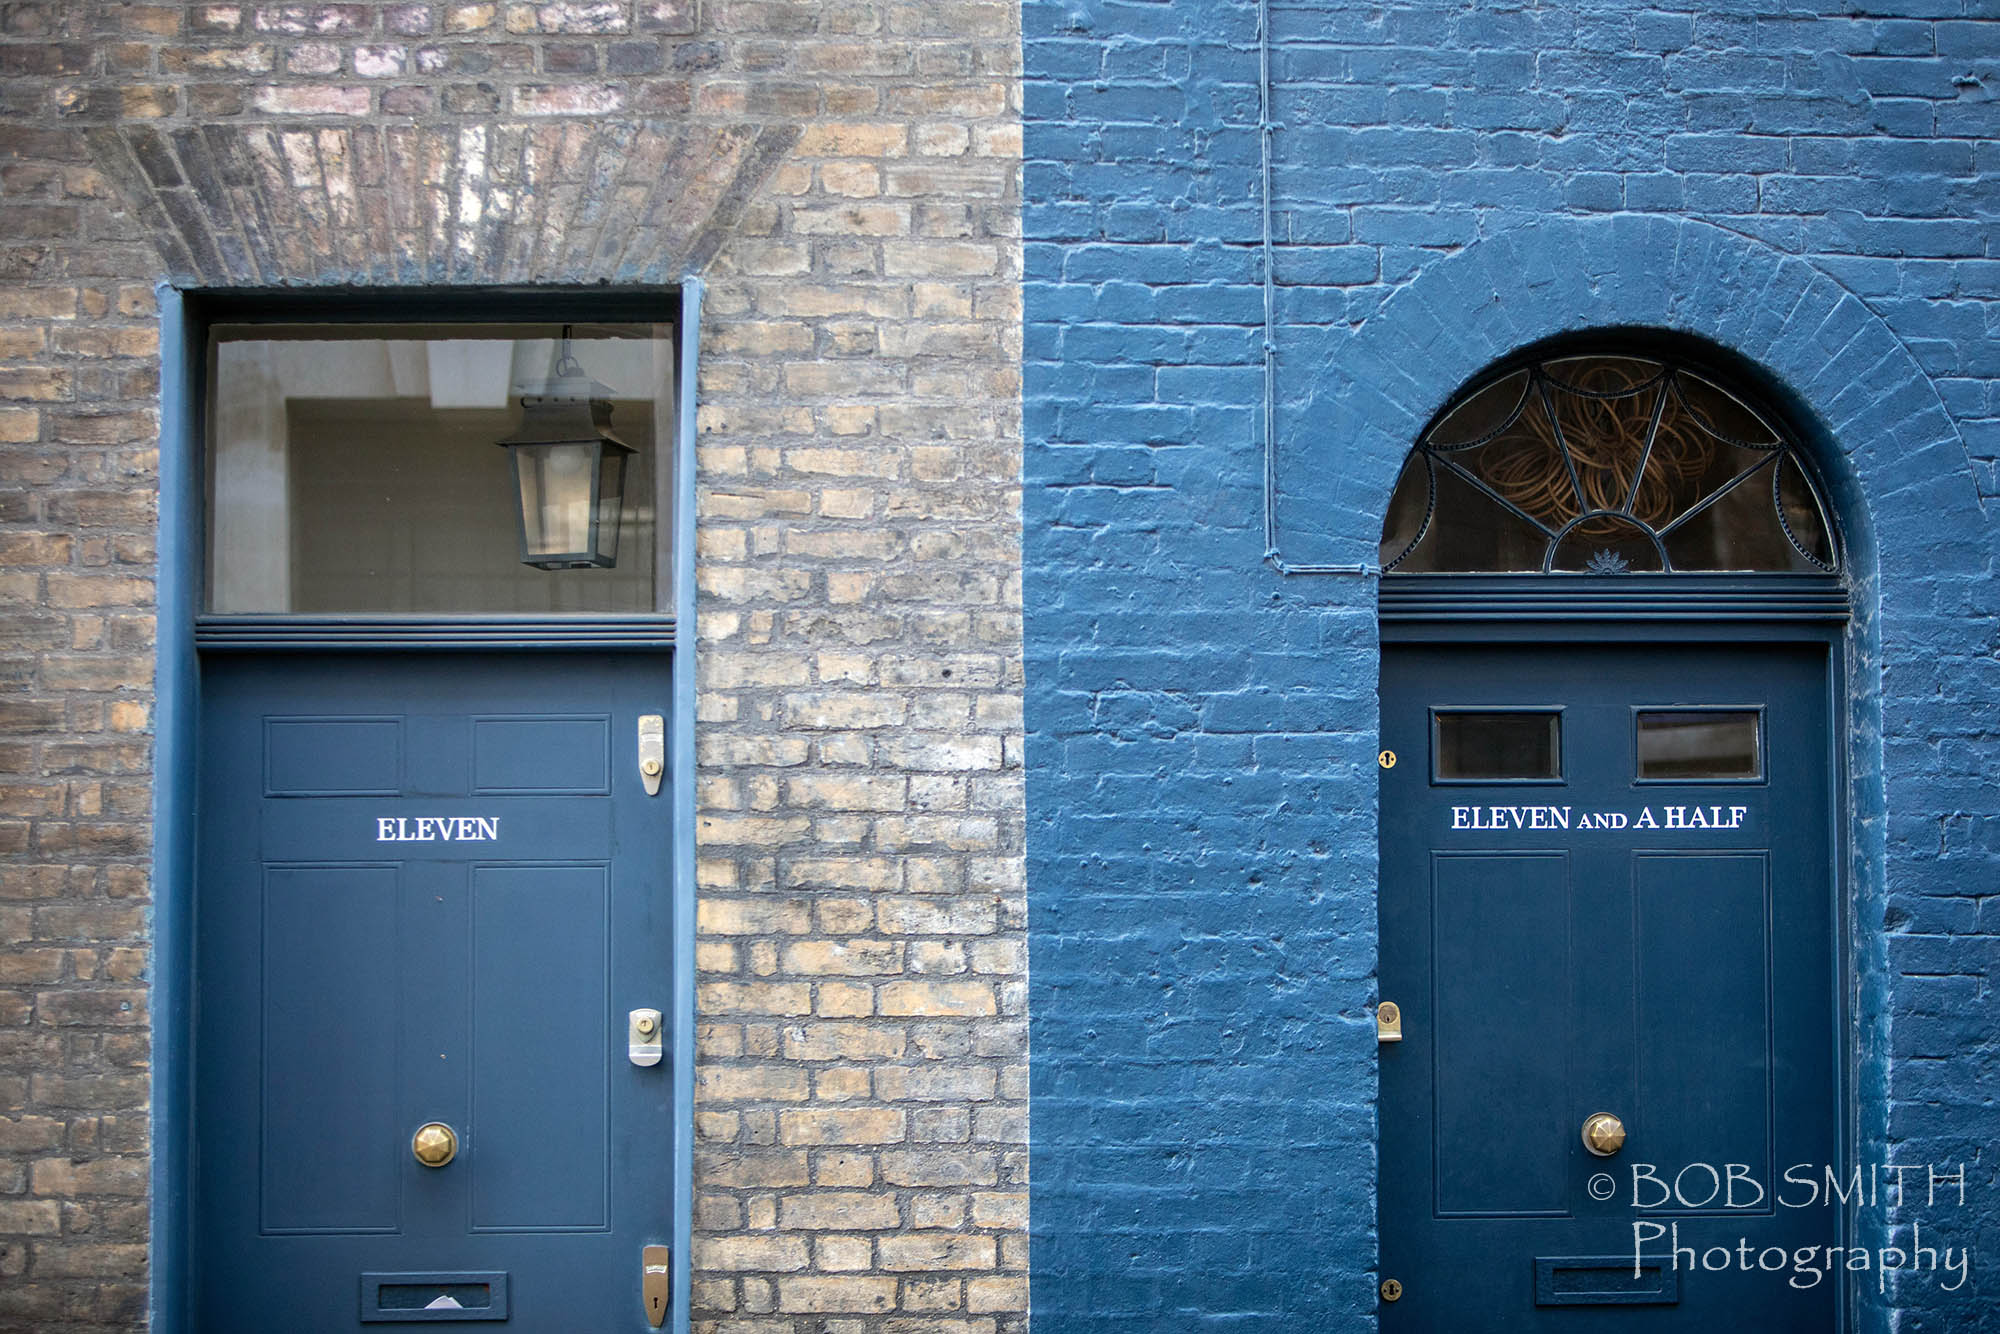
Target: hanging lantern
[(569, 472)]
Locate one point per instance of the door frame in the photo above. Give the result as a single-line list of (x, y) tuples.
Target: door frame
[(1724, 610), (185, 319)]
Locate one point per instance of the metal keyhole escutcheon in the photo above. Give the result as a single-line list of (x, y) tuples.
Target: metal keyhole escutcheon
[(1391, 1290)]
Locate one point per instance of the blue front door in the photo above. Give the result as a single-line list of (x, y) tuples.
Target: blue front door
[(1608, 890), (432, 890)]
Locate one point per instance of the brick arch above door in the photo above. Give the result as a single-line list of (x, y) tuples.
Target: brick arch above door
[(494, 203), (1889, 449)]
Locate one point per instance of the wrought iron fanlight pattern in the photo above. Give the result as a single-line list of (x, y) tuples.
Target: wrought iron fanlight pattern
[(1606, 465)]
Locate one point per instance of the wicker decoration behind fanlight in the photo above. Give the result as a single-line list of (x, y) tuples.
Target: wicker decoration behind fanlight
[(1606, 464)]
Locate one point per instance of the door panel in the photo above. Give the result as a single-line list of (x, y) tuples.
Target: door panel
[(1705, 1086), (1564, 938), (1500, 928), (425, 896), (328, 1098), (538, 1049)]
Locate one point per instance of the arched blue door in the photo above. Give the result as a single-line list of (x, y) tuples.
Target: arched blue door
[(1610, 860)]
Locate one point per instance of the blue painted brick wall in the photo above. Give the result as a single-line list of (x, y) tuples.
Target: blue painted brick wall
[(1812, 184)]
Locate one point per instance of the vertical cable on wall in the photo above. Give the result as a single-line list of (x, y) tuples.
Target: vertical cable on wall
[(1266, 127)]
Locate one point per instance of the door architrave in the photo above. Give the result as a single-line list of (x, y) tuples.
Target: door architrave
[(183, 634)]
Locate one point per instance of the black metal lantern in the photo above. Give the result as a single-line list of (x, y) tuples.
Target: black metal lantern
[(569, 472)]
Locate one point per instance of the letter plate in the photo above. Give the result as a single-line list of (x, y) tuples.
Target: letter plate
[(652, 751), (1604, 1281), (403, 1298)]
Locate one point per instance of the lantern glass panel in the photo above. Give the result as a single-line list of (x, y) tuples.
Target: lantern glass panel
[(556, 501), (354, 468), (610, 502)]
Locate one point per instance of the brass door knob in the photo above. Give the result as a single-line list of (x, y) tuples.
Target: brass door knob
[(434, 1144), (1603, 1134)]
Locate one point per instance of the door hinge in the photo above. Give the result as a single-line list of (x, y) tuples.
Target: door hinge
[(656, 1281)]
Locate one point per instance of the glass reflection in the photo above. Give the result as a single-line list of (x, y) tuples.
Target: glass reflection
[(354, 469)]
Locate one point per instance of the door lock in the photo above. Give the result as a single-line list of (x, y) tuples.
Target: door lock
[(656, 1281), (652, 751), (1388, 1022), (642, 1037)]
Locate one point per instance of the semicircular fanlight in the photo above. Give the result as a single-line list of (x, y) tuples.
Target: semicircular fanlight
[(1606, 465)]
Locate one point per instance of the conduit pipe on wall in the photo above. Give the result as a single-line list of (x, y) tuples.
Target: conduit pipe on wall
[(1266, 128)]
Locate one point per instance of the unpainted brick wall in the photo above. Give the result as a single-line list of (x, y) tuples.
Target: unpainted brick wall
[(846, 175), (862, 1111), (78, 405), (1202, 731)]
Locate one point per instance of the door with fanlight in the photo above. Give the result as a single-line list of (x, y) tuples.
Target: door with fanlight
[(1610, 903)]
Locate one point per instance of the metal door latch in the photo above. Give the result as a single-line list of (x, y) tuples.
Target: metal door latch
[(1388, 1022), (656, 1281), (642, 1037), (652, 751)]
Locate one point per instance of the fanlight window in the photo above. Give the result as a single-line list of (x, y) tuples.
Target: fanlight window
[(1606, 465)]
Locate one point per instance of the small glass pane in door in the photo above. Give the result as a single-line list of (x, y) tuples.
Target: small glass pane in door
[(1488, 747), (1697, 745)]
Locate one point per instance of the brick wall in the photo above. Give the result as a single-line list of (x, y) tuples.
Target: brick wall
[(78, 390), (861, 1115), (1812, 188), (846, 177)]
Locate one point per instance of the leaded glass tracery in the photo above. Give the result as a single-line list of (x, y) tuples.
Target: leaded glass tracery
[(1606, 465)]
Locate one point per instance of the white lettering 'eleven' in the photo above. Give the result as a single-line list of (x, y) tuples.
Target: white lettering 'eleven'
[(437, 829), (1510, 817)]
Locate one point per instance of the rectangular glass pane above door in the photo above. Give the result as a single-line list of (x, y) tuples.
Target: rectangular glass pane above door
[(439, 469)]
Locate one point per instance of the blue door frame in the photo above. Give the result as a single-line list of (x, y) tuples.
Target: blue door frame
[(185, 318)]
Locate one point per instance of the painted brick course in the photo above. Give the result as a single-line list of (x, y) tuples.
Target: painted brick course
[(1812, 187), (846, 177)]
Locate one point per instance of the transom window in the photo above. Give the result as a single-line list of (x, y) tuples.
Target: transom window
[(454, 469), (1606, 465)]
